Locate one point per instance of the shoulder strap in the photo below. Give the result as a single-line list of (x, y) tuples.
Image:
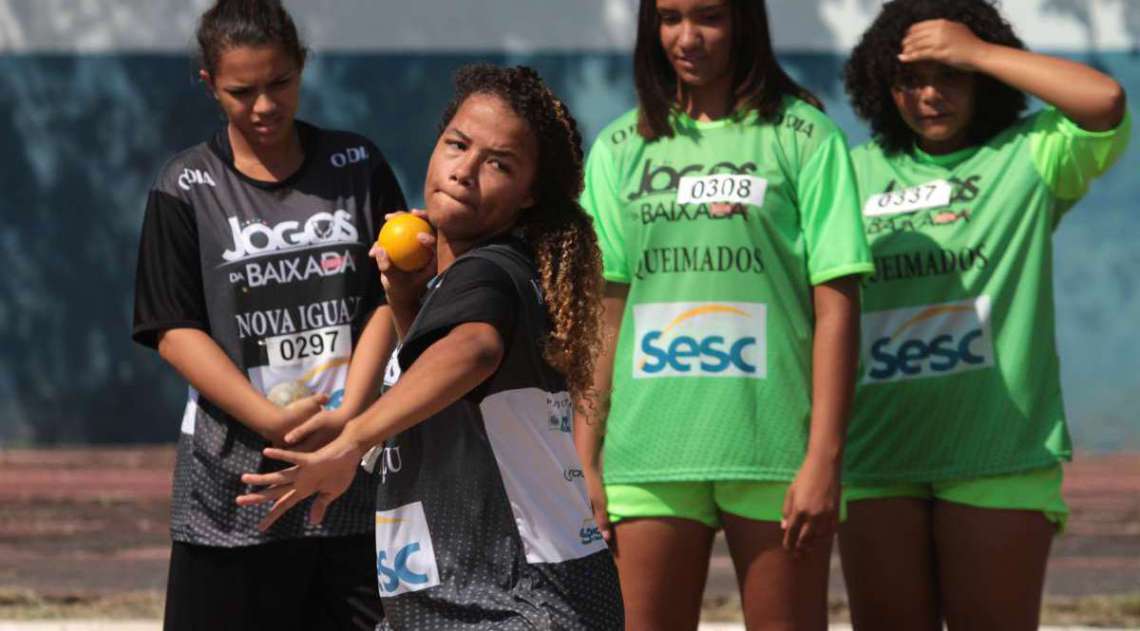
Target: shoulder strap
[(520, 269)]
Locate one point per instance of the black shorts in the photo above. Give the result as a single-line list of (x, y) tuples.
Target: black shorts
[(302, 584)]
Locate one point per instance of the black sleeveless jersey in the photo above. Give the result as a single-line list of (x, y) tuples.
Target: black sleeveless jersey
[(482, 518)]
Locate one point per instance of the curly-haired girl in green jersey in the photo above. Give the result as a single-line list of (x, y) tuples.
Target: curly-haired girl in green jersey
[(953, 473)]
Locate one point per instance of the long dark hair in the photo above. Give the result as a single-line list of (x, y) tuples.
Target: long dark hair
[(874, 68), (759, 82), (557, 228), (232, 23)]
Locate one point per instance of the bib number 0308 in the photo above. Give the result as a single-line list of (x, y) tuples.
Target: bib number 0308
[(726, 189)]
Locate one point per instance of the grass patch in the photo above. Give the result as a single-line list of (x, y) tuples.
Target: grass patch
[(21, 604), (1121, 611), (1098, 611), (727, 609)]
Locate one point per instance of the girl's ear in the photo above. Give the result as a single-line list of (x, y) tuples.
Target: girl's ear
[(208, 81)]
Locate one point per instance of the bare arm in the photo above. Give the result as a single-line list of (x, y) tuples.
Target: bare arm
[(362, 386), (590, 424), (365, 373), (1091, 99), (199, 359), (835, 355), (811, 508), (440, 376)]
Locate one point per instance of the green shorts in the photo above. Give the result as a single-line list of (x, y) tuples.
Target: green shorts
[(1039, 489), (701, 501)]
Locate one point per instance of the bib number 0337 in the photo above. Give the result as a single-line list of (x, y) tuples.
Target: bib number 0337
[(930, 195), (725, 189)]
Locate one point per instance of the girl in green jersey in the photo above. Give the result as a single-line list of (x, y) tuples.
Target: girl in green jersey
[(726, 214), (953, 465)]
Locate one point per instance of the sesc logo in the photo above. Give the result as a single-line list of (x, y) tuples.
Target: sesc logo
[(700, 339), (589, 534), (928, 341), (405, 557)]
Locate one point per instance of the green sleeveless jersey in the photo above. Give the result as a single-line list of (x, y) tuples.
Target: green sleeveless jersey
[(720, 232), (959, 372)]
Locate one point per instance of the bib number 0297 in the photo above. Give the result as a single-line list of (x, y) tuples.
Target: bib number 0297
[(329, 342)]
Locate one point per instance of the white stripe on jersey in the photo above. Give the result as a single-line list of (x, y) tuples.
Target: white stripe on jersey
[(529, 431), (190, 414)]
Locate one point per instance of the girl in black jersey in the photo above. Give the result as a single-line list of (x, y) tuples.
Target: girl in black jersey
[(482, 519), (254, 282)]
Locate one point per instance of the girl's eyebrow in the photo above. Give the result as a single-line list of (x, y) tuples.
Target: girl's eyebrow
[(238, 86), (506, 153)]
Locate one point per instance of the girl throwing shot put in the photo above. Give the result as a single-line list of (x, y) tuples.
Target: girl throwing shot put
[(482, 521)]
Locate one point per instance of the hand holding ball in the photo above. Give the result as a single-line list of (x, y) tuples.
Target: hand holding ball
[(399, 238)]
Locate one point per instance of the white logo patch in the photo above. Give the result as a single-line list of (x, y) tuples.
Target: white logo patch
[(322, 228), (405, 557), (700, 339), (927, 341), (352, 155), (194, 176)]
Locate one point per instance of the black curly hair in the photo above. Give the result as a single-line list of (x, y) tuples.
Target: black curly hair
[(556, 227), (874, 68)]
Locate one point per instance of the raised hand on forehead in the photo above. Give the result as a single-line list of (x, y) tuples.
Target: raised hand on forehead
[(942, 41)]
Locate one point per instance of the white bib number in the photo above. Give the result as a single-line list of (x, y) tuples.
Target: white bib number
[(300, 348), (725, 189), (930, 195)]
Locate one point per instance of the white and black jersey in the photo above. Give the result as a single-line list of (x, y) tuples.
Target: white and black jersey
[(278, 274), (482, 517)]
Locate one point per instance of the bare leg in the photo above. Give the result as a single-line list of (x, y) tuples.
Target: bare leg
[(887, 549), (991, 566), (662, 565), (778, 592)]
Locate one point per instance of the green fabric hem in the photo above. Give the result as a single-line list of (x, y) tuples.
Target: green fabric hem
[(947, 475), (702, 475), (615, 277), (852, 269)]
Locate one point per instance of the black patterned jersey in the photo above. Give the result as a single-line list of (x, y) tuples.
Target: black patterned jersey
[(482, 518), (278, 274)]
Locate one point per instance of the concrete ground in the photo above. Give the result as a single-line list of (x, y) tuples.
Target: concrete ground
[(81, 525), (89, 625)]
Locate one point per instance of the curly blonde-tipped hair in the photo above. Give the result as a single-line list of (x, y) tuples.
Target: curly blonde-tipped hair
[(557, 228)]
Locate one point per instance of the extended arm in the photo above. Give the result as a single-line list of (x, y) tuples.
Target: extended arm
[(1091, 99)]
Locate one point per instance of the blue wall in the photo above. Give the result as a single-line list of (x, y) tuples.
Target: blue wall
[(82, 137)]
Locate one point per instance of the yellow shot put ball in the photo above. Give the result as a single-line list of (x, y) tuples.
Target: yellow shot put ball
[(398, 238), (287, 392)]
